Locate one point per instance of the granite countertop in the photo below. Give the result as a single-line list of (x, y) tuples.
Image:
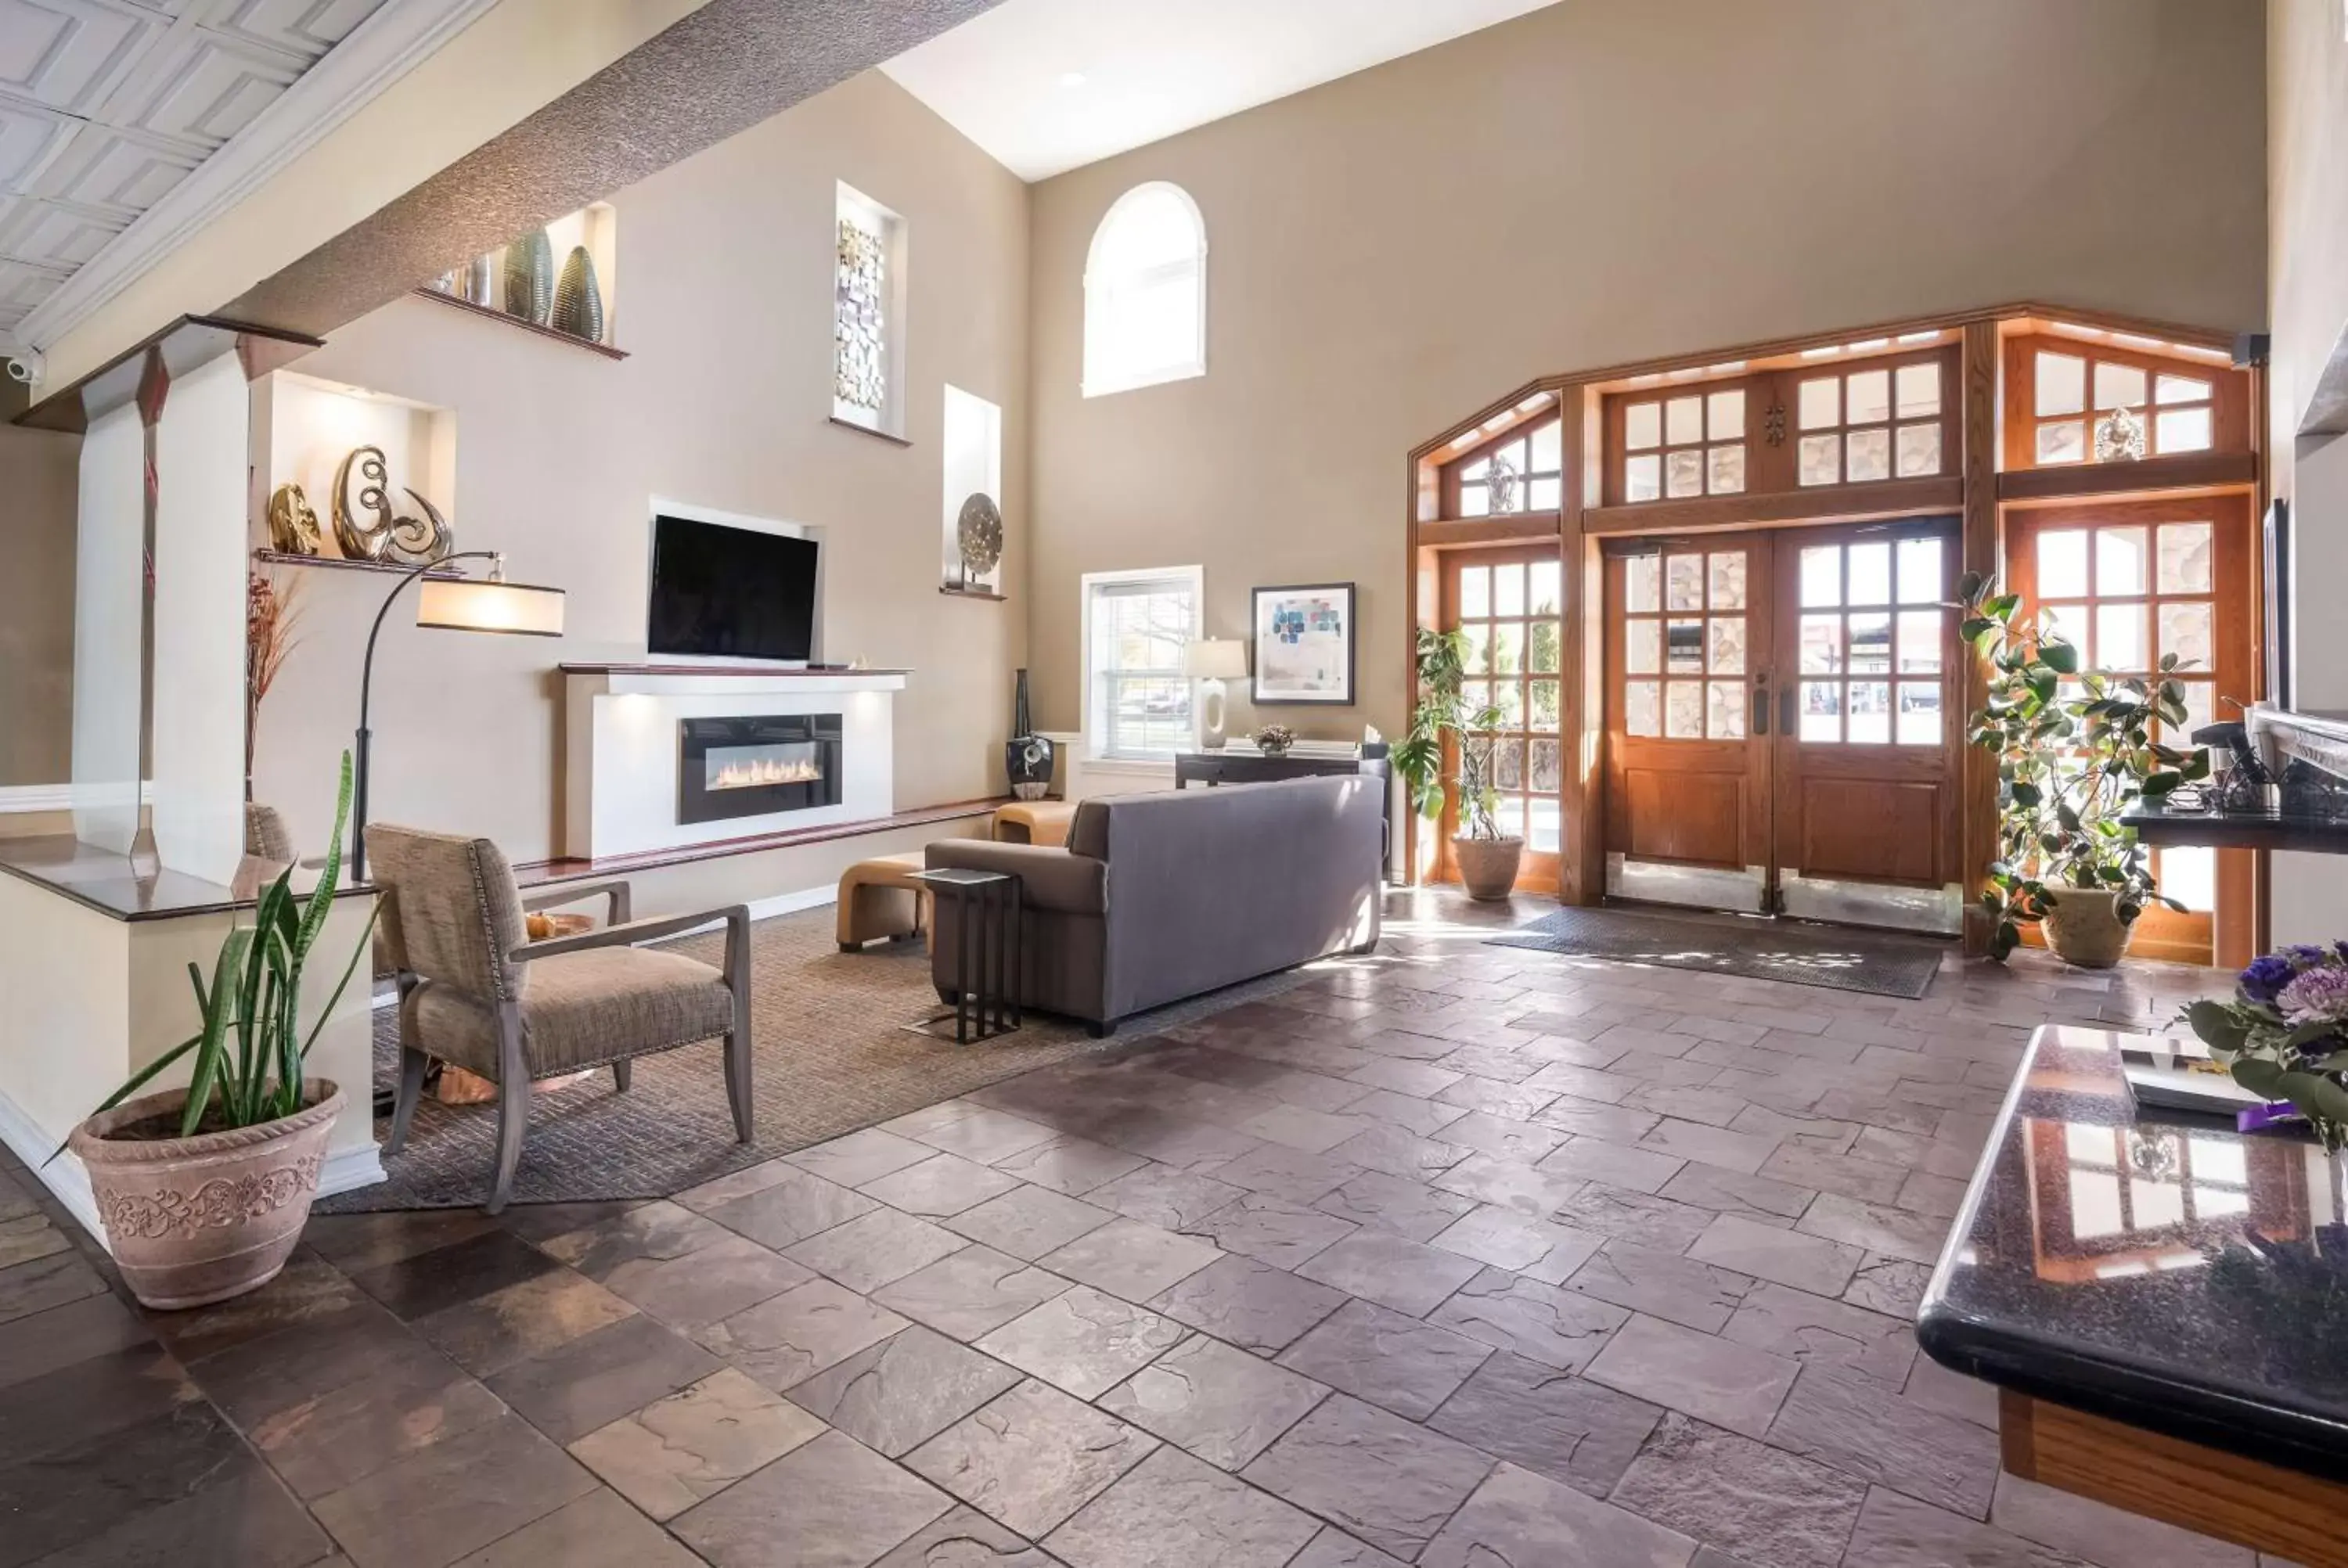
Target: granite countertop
[(2150, 1265)]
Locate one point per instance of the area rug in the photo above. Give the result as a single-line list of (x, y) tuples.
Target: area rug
[(831, 1056), (1756, 950)]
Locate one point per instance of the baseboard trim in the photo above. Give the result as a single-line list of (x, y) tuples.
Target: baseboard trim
[(65, 1177), (16, 798), (767, 908), (349, 1168)]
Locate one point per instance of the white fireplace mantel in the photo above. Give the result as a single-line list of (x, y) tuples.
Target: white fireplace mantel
[(621, 734)]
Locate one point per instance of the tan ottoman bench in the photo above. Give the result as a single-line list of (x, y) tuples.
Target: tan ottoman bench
[(878, 898), (1033, 822)]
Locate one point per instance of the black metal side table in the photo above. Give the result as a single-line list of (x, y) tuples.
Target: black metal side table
[(988, 910)]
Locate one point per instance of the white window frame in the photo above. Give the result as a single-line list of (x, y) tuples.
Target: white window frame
[(1096, 727), (1101, 290)]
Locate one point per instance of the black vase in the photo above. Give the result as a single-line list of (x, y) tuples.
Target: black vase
[(1027, 757)]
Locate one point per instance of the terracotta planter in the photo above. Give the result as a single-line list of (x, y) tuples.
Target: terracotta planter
[(198, 1220), (1488, 867), (2084, 927)]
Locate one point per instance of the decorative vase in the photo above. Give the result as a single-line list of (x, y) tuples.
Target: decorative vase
[(478, 283), (530, 277), (1488, 867), (1273, 748), (578, 302), (2083, 927), (198, 1220), (1027, 757)]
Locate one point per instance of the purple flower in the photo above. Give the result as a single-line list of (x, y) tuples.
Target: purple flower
[(2318, 996), (2266, 977), (2305, 954)]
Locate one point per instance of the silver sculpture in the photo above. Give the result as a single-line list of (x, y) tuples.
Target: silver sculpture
[(404, 541)]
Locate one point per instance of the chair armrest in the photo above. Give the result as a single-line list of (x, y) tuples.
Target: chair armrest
[(616, 913), (737, 918), (1049, 877)]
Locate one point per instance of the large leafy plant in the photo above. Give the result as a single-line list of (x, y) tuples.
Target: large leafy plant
[(1442, 711), (250, 1047), (2075, 752)]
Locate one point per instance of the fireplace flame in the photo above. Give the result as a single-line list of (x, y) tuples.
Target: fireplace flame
[(760, 771)]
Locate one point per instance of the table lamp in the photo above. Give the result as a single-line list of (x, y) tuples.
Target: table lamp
[(1211, 661)]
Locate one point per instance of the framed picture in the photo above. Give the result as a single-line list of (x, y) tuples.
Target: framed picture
[(1304, 645)]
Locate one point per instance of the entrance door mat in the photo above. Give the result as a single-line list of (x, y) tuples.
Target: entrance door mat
[(1757, 949)]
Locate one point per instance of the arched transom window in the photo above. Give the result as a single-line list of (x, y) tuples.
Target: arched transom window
[(1146, 291)]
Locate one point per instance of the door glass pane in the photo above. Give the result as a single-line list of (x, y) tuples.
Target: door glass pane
[(1643, 584), (1643, 708), (1870, 644), (1920, 450), (1683, 580), (2062, 383), (2185, 558), (2181, 430), (1821, 711), (2063, 563), (1869, 456), (1475, 591), (1919, 713), (1508, 697), (2119, 562), (1821, 576), (2069, 623), (1510, 815), (1727, 645), (1870, 714), (1683, 710), (1642, 647), (1507, 765), (1683, 648), (1821, 644), (1724, 418), (2201, 706), (2118, 386), (1548, 773), (1919, 641), (1919, 389), (1479, 646), (1642, 425), (1725, 711), (2180, 389), (1870, 574), (1683, 474), (1541, 834), (1684, 421), (1509, 589), (1727, 569), (1819, 460), (1867, 396), (1643, 477), (1724, 470), (1543, 716), (1476, 695), (2190, 874), (1543, 580), (1549, 448), (2186, 631), (1507, 647), (1919, 571), (1821, 403), (1542, 647), (2063, 443), (2119, 637)]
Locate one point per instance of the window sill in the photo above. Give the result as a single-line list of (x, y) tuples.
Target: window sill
[(892, 439), (1140, 767), (1190, 371)]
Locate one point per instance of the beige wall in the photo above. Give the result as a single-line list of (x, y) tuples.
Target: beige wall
[(39, 483), (1598, 182), (724, 304)]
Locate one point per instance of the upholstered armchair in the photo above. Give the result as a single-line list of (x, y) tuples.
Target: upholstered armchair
[(474, 992)]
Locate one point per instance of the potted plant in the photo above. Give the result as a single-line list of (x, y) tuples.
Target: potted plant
[(1487, 858), (1273, 739), (2285, 1034), (2070, 764), (203, 1191)]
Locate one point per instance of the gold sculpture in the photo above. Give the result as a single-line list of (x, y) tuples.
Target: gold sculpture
[(293, 525), (407, 541)]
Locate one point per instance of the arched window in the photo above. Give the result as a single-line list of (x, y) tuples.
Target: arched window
[(1146, 291)]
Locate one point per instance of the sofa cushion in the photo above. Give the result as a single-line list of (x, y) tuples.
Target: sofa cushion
[(582, 1008)]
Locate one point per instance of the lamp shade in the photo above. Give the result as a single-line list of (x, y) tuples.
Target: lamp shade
[(1215, 659), (462, 604)]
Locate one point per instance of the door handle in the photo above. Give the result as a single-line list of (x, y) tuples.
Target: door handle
[(1786, 712), (1761, 707)]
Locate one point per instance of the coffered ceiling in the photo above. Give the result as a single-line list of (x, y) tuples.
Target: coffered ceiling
[(108, 106)]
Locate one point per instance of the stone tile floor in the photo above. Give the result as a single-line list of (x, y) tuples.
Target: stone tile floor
[(1455, 1254)]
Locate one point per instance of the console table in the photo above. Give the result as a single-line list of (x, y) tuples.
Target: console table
[(1236, 765)]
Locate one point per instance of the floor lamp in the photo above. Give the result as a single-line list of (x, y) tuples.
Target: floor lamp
[(449, 604)]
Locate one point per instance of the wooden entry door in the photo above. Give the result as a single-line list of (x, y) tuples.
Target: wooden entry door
[(1510, 603), (1780, 729), (2128, 582)]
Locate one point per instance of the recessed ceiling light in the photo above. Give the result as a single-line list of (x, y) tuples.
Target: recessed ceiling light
[(1072, 79)]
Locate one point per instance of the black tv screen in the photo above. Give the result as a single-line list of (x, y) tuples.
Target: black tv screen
[(734, 593)]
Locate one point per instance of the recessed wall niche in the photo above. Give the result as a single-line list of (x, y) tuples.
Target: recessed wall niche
[(557, 290), (311, 425), (972, 543)]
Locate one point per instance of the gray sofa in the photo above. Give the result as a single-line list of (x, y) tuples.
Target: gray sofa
[(1156, 898)]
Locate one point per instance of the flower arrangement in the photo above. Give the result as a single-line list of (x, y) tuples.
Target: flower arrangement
[(1273, 739), (2285, 1034)]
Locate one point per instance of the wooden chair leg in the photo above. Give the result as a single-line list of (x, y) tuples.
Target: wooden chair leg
[(513, 1105), (412, 1063), (623, 1073)]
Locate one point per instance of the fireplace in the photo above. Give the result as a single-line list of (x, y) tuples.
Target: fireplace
[(756, 767)]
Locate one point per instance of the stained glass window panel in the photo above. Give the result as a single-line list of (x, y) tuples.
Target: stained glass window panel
[(1868, 457), (1724, 415), (1682, 473), (1919, 389), (1724, 470), (1920, 450), (1726, 654), (1643, 584), (2188, 631), (1684, 421), (1725, 711), (1683, 710), (1684, 581), (1867, 396), (1819, 460), (1643, 477), (1643, 708), (1728, 579), (2185, 558), (2063, 443), (2118, 386), (1642, 647)]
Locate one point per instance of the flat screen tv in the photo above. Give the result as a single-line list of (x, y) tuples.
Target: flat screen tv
[(721, 592)]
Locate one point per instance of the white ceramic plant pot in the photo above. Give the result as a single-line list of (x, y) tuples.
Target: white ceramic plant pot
[(2083, 927)]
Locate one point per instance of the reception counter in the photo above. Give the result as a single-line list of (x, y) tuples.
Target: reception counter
[(2163, 1303)]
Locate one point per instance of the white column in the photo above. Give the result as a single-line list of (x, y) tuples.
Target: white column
[(108, 572)]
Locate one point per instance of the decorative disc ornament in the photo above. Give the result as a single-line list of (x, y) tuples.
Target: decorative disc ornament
[(384, 537), (978, 534)]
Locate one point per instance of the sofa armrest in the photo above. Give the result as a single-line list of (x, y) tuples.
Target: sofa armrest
[(1049, 877)]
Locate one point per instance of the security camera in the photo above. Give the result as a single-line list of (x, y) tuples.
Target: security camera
[(26, 366)]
